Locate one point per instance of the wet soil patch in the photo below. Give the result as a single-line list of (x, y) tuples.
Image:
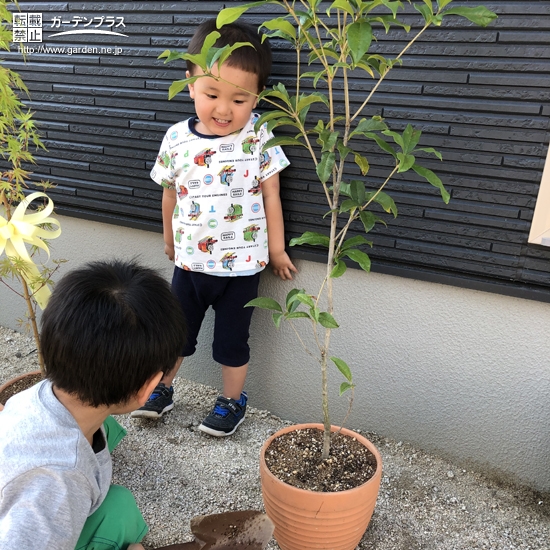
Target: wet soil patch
[(295, 458), (19, 386)]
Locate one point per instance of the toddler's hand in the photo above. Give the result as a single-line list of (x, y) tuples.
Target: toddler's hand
[(169, 251), (282, 266)]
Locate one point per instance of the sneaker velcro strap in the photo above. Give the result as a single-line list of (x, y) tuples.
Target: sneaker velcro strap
[(233, 406)]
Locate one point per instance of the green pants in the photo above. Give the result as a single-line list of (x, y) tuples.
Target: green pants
[(118, 521)]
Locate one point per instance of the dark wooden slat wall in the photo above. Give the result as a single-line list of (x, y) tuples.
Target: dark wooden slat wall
[(480, 96)]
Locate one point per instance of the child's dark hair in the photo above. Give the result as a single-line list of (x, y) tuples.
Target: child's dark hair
[(256, 60), (108, 328)]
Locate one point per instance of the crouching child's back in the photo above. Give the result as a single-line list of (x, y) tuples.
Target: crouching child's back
[(109, 332)]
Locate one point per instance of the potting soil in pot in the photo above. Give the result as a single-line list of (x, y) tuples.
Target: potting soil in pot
[(295, 458)]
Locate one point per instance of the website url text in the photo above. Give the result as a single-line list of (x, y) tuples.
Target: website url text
[(29, 50)]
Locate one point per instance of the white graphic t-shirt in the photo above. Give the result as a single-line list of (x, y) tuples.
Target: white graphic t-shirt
[(219, 220)]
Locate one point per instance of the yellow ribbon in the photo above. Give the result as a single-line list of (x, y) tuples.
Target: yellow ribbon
[(21, 229)]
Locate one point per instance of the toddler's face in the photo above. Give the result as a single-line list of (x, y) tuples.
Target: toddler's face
[(223, 108)]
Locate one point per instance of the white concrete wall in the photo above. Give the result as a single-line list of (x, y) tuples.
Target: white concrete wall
[(460, 372)]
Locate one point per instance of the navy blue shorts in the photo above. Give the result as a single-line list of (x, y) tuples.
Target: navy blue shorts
[(196, 292)]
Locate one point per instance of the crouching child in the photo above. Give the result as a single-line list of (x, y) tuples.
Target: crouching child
[(109, 333)]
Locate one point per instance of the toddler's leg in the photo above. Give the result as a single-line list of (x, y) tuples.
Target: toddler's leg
[(230, 408), (233, 381), (230, 347), (169, 376), (193, 305)]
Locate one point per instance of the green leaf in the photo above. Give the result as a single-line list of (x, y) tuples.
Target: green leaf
[(220, 57), (357, 191), (426, 12), (405, 162), (291, 303), (360, 257), (359, 39), (305, 299), (431, 150), (314, 3), (342, 65), (319, 127), (384, 200), (310, 237), (410, 137), (341, 5), (265, 303), (321, 75), (316, 75), (368, 219), (282, 140), (298, 315), (314, 312), (328, 140), (179, 85), (479, 15), (171, 55), (280, 92), (324, 168), (309, 74), (388, 21), (363, 164), (434, 180), (366, 68), (277, 318), (327, 320), (397, 138), (384, 145), (266, 117), (345, 189), (208, 51), (373, 124), (228, 15), (342, 367), (393, 6), (306, 100), (343, 150), (355, 241), (443, 3), (339, 269), (345, 386), (283, 121), (348, 205), (282, 25)]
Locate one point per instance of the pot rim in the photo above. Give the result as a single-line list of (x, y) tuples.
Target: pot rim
[(12, 381), (295, 427)]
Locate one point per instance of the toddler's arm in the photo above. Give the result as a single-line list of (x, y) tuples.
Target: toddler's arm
[(278, 258), (169, 199)]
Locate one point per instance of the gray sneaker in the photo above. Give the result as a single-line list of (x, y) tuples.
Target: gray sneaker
[(226, 416), (159, 402)]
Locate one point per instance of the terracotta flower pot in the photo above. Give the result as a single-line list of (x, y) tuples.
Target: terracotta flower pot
[(310, 520), (15, 380)]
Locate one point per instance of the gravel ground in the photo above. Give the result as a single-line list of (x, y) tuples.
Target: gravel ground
[(425, 502)]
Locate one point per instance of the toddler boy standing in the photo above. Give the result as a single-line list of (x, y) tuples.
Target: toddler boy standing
[(220, 202)]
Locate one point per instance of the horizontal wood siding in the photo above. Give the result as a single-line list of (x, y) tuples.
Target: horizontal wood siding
[(480, 96)]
